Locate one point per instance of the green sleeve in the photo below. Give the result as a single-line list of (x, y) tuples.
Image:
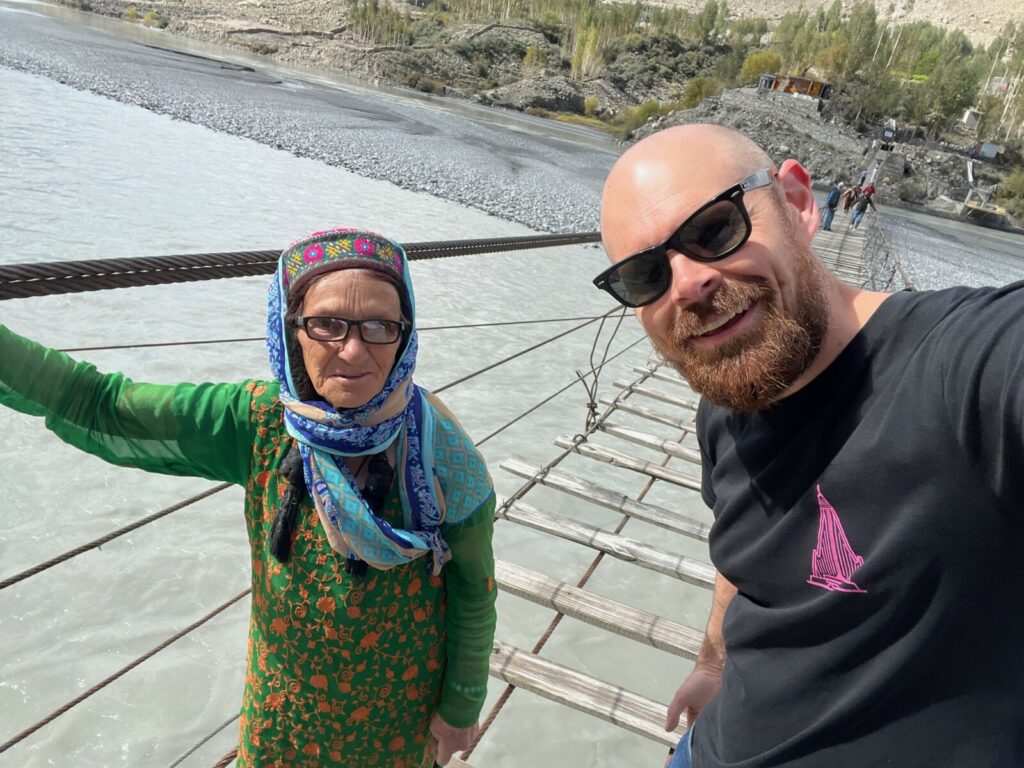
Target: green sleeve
[(470, 589), (201, 430)]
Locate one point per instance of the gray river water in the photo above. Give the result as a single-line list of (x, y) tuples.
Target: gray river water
[(82, 176)]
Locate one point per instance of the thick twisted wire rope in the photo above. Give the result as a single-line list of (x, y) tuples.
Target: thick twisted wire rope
[(18, 281), (227, 760), (121, 672), (197, 342)]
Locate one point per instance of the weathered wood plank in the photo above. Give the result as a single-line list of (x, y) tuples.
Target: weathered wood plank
[(598, 611), (685, 424), (670, 447), (561, 684), (655, 394), (624, 461), (605, 497), (621, 547), (663, 373)]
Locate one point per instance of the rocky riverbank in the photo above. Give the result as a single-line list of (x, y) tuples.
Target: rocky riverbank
[(513, 66)]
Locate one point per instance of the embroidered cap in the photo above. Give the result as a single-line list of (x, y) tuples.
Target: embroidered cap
[(334, 249)]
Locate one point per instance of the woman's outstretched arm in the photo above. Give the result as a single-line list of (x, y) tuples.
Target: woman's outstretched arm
[(200, 430)]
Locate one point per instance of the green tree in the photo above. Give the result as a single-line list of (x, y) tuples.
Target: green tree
[(758, 62)]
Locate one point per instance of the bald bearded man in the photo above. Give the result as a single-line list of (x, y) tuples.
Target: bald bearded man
[(862, 456)]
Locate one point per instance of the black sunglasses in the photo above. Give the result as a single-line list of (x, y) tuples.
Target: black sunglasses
[(717, 229), (337, 329)]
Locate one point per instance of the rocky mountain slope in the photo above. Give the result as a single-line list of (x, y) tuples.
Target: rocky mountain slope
[(981, 20)]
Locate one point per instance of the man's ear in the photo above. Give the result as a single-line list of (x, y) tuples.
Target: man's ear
[(796, 188)]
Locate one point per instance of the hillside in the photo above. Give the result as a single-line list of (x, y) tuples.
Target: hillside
[(981, 20)]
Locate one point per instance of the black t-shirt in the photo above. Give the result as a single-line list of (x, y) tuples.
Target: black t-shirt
[(873, 525)]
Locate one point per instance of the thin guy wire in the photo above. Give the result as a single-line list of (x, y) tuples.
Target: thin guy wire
[(209, 736), (196, 342), (96, 543), (520, 353), (124, 670), (551, 397)]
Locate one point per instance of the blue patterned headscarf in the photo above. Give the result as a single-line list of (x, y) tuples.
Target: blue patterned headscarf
[(399, 414)]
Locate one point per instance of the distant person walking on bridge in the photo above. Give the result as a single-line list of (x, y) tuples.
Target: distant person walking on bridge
[(861, 206), (831, 202), (861, 453), (850, 194)]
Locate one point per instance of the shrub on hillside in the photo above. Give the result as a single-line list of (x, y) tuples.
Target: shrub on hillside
[(758, 62), (154, 19)]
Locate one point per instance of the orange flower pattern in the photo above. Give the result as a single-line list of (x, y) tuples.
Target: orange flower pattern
[(341, 671)]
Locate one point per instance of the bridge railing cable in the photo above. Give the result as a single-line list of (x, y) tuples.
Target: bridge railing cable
[(198, 342), (97, 543), (19, 281), (522, 352), (120, 673)]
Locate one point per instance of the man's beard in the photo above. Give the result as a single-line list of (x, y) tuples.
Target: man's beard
[(751, 370)]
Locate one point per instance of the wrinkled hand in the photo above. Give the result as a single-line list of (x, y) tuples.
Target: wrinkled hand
[(451, 739), (696, 692)]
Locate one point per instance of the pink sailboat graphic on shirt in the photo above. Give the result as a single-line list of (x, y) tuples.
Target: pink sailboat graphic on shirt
[(833, 561)]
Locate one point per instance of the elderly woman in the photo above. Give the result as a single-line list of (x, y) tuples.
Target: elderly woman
[(369, 510)]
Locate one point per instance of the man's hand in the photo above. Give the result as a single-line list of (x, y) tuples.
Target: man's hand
[(451, 739), (693, 695)]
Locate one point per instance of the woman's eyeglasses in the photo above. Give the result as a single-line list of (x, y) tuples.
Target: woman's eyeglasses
[(717, 229), (337, 329)]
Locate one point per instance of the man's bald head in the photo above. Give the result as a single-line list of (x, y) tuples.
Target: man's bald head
[(671, 171)]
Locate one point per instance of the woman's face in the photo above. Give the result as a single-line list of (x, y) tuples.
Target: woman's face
[(349, 373)]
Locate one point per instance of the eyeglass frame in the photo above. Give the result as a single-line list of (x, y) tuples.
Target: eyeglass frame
[(734, 195), (302, 320)]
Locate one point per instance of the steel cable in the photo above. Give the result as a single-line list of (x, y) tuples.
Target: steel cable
[(124, 670), (521, 352), (95, 543), (19, 281), (203, 741), (196, 342)]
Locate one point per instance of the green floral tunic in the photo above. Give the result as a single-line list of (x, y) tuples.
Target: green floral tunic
[(342, 670)]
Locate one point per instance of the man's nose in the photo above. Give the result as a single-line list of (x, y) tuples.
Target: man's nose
[(692, 281)]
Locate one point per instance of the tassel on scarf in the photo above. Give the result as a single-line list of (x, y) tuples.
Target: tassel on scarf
[(287, 514)]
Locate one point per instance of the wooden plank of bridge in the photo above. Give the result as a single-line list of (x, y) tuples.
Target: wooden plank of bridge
[(558, 683), (662, 373), (619, 459), (598, 611), (687, 425), (605, 497), (669, 447), (654, 394), (621, 547)]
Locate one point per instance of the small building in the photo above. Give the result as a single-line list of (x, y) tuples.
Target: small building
[(988, 151), (804, 86), (971, 119)]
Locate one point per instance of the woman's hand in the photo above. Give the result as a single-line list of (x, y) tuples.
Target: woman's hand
[(451, 739)]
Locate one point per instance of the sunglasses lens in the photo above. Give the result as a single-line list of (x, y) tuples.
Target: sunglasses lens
[(712, 233), (640, 279)]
